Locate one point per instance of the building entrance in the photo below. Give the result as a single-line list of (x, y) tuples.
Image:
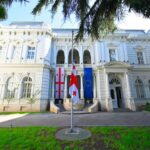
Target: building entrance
[(116, 93), (118, 96)]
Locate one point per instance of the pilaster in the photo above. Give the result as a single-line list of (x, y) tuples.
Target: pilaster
[(94, 87), (82, 90), (65, 90)]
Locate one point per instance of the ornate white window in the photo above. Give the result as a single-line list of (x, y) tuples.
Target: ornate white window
[(13, 52), (112, 54), (31, 52), (27, 87), (139, 89), (10, 88), (140, 57)]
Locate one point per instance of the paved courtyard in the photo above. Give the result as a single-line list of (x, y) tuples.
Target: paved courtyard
[(95, 119)]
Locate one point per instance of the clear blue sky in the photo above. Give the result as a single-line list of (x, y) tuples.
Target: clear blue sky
[(18, 12), (22, 12)]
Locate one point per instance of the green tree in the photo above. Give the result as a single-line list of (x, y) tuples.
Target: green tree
[(34, 97), (96, 19), (10, 97), (4, 4)]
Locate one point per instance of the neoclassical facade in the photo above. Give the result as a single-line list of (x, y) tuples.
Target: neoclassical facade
[(30, 52)]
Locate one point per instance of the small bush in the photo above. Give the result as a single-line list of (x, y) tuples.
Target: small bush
[(147, 107)]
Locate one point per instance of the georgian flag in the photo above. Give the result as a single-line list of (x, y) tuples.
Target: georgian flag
[(73, 86), (59, 83)]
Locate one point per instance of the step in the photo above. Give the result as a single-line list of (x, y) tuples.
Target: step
[(75, 112), (121, 110), (84, 111)]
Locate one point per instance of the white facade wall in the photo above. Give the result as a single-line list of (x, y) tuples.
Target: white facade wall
[(48, 42)]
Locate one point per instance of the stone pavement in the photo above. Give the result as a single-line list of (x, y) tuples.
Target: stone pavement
[(4, 118), (95, 119)]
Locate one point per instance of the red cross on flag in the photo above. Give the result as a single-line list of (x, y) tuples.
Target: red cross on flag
[(59, 84), (73, 86)]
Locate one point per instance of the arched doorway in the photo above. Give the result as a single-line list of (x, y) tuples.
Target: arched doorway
[(86, 57), (115, 92), (60, 57), (75, 57)]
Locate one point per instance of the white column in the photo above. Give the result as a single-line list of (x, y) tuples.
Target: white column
[(106, 52), (3, 91), (130, 101), (53, 86), (98, 86), (147, 93), (92, 52), (82, 91), (65, 90), (81, 56), (66, 56), (109, 105), (54, 56), (8, 51), (97, 53), (19, 91), (94, 79), (36, 51), (24, 52), (125, 52), (128, 86), (21, 51), (107, 85), (0, 91), (102, 50)]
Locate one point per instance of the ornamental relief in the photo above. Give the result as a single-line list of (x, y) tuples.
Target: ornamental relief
[(112, 45)]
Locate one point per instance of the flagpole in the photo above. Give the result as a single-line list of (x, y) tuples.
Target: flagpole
[(71, 129)]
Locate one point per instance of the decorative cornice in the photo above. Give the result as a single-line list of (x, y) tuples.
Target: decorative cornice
[(117, 64), (25, 66)]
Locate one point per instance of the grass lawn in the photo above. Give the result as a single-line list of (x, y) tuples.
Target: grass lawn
[(103, 138)]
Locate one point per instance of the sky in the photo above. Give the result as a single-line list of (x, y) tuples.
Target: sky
[(22, 12)]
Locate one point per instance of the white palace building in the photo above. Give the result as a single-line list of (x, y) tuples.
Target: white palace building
[(31, 53)]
